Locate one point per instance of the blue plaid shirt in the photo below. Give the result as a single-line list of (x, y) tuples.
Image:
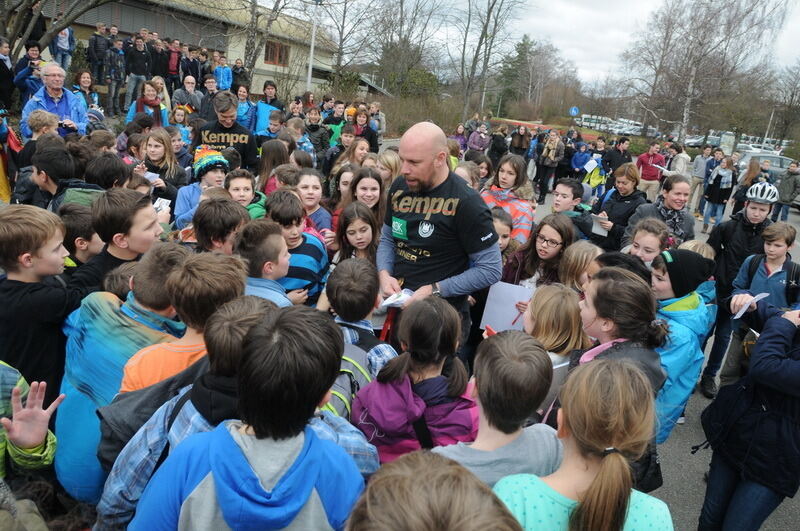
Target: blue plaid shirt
[(136, 463), (377, 356)]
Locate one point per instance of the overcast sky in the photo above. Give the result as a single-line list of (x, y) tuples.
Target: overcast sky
[(593, 33)]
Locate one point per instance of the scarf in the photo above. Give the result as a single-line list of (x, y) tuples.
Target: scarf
[(155, 106), (726, 175), (550, 149), (673, 218), (6, 60)]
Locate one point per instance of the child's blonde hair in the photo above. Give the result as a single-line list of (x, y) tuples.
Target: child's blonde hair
[(779, 231), (701, 248), (169, 161), (39, 119), (557, 324), (25, 229), (575, 262)]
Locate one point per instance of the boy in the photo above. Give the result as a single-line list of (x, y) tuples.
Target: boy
[(104, 170), (127, 223), (216, 223), (232, 156), (209, 170), (676, 277), (241, 185), (275, 127), (788, 186), (352, 291), (297, 128), (772, 272), (733, 241), (200, 285), (318, 134), (40, 123), (114, 67), (332, 155), (308, 264), (54, 173), (102, 335), (337, 117), (291, 477), (80, 239), (261, 244), (223, 74), (31, 312), (512, 376), (567, 200)]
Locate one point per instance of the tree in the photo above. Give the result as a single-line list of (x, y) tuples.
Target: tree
[(787, 101), (349, 24)]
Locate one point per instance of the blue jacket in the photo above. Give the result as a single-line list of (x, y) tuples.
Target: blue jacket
[(75, 105), (579, 159), (71, 42), (269, 289), (218, 478), (186, 203), (775, 285), (689, 319), (101, 336), (224, 77), (148, 110), (246, 114), (27, 83)]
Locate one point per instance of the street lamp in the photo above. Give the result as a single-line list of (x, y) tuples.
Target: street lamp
[(313, 42)]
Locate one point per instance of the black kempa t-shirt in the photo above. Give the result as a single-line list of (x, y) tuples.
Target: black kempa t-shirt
[(435, 231), (237, 136)]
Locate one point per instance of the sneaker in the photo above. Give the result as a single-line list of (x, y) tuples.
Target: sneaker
[(708, 386), (705, 228), (681, 420)]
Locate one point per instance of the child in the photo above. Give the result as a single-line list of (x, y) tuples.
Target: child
[(209, 170), (223, 74), (352, 290), (469, 171), (606, 418), (553, 319), (318, 134), (772, 272), (579, 160), (80, 239), (102, 141), (217, 221), (618, 205), (358, 234), (334, 153), (232, 156), (309, 187), (412, 405), (179, 148), (509, 178), (355, 153), (503, 225), (676, 277), (165, 173), (273, 154), (308, 265), (366, 186), (339, 185), (650, 237), (40, 123), (433, 489), (102, 335), (577, 265), (177, 119), (271, 446), (260, 243), (512, 376), (134, 151), (275, 126), (733, 241), (53, 172), (297, 128), (201, 284), (241, 185), (718, 190), (567, 197), (128, 224)]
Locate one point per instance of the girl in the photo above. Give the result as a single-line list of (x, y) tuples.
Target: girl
[(177, 118), (355, 153), (245, 109), (718, 191), (509, 178), (388, 167), (160, 162), (301, 159), (484, 167), (579, 160), (367, 187), (308, 101), (135, 149), (578, 266), (182, 154), (553, 318), (309, 188), (670, 207), (163, 93), (552, 153), (536, 263), (411, 393), (370, 161), (273, 154), (150, 103), (502, 226), (358, 234), (498, 146), (459, 136), (618, 205), (454, 152), (752, 176), (470, 173), (363, 130), (606, 418), (650, 237), (477, 143), (520, 141), (84, 88)]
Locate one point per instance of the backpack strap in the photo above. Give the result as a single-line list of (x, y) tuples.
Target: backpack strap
[(793, 284), (366, 339), (423, 433), (172, 416), (753, 268)]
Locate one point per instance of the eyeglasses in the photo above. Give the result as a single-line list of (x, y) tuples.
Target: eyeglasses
[(549, 243), (54, 75)]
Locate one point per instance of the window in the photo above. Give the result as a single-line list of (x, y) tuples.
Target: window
[(276, 53)]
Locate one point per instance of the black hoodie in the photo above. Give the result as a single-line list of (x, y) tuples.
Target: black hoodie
[(619, 209)]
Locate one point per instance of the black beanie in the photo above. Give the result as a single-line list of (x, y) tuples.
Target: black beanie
[(687, 270)]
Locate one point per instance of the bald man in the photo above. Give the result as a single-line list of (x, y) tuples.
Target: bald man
[(70, 109), (438, 236)]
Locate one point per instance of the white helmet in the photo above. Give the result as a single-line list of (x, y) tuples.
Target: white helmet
[(762, 193)]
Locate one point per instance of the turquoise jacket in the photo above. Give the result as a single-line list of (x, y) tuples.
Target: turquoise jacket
[(689, 319)]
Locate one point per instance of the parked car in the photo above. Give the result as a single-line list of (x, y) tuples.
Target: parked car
[(778, 163), (694, 141)]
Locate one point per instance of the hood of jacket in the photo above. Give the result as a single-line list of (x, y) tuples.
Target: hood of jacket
[(215, 397), (689, 311)]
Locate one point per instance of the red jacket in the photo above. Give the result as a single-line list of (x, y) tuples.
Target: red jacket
[(645, 163)]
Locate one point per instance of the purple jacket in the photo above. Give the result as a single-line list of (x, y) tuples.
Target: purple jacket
[(478, 142), (385, 413)]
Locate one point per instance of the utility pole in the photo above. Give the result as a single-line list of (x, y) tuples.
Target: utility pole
[(769, 124), (313, 42)]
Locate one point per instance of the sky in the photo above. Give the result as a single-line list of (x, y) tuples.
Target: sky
[(610, 25)]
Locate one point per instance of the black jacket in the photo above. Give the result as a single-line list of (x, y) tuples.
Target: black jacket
[(497, 148), (613, 159), (320, 137), (619, 209), (370, 136), (158, 63), (649, 210), (173, 182), (137, 62), (733, 241), (96, 49)]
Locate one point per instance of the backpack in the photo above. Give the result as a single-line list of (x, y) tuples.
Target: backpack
[(792, 278), (366, 339), (128, 412), (353, 376)]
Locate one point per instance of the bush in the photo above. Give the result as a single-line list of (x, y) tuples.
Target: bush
[(402, 113)]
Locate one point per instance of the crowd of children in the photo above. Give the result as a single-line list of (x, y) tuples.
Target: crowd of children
[(208, 346)]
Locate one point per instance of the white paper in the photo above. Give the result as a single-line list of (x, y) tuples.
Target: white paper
[(161, 204), (662, 168), (398, 299), (150, 176), (596, 228), (559, 377), (501, 311), (752, 301), (589, 166)]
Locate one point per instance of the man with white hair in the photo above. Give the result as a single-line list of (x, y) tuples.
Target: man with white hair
[(52, 97)]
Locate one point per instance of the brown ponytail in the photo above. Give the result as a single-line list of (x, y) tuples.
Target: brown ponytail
[(607, 408)]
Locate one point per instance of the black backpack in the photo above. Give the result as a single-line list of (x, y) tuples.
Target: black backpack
[(792, 278)]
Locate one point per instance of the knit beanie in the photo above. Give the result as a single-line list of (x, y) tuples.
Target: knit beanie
[(687, 270), (207, 159)]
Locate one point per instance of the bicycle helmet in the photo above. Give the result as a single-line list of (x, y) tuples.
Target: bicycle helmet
[(762, 193)]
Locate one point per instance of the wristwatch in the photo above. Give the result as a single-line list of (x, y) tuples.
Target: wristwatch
[(435, 290)]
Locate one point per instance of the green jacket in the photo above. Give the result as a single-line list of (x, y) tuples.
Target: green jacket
[(788, 186), (258, 206)]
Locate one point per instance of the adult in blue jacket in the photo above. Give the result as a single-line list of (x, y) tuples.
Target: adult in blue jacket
[(246, 109), (53, 98)]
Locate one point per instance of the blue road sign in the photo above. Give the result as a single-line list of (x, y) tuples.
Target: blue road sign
[(573, 111)]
